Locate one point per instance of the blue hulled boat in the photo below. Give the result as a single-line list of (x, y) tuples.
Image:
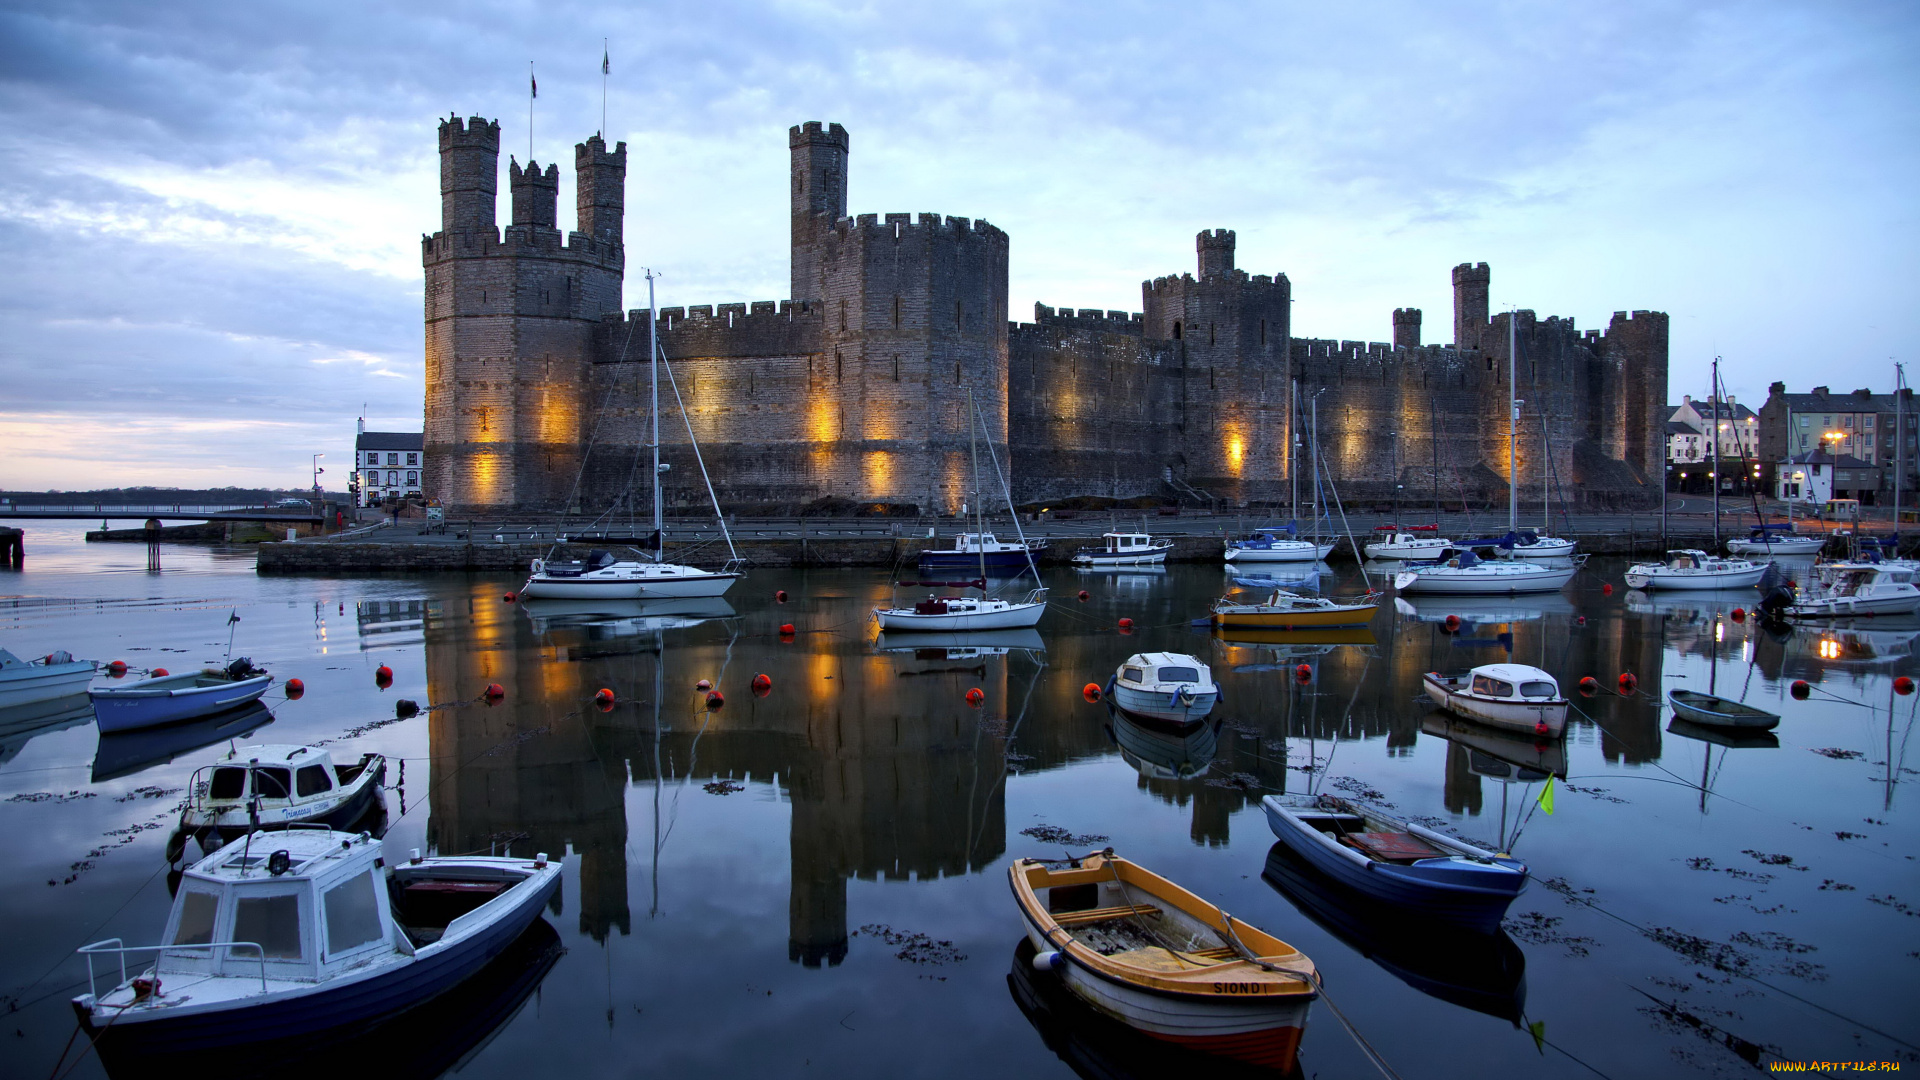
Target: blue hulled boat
[(969, 549), (309, 933), (1419, 870)]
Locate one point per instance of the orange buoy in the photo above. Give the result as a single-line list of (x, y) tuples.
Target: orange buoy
[(1126, 624), (1903, 686), (762, 684), (780, 596), (975, 696), (294, 689), (603, 695), (508, 597), (117, 668), (786, 629), (1303, 673), (1579, 620), (1606, 589), (715, 699), (1091, 692), (604, 706), (703, 685), (495, 691), (161, 673), (1451, 622), (1085, 596), (1627, 682), (1739, 614), (1589, 686), (1800, 689)]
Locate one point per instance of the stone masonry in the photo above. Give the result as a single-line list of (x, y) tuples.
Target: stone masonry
[(857, 388)]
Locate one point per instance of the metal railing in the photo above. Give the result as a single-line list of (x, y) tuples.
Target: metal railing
[(119, 947)]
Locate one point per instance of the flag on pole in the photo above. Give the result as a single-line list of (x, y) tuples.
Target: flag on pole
[(606, 62), (533, 85), (1538, 1029), (1546, 797)]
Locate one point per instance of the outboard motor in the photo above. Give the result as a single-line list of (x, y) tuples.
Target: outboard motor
[(242, 668), (1776, 593)]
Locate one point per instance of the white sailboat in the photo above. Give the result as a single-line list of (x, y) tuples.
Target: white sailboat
[(948, 614), (1284, 544), (1527, 543), (602, 577)]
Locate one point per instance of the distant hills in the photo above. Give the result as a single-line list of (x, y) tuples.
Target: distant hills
[(157, 496)]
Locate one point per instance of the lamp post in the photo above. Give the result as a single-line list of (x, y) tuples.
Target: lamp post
[(317, 470)]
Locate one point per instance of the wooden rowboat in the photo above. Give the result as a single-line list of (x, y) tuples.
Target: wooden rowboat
[(1718, 711), (1148, 953)]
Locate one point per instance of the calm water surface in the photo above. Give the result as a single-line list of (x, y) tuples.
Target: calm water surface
[(813, 882)]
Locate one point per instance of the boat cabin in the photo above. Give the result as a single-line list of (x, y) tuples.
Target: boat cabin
[(1125, 543), (1513, 682), (1868, 579), (1162, 672), (286, 779)]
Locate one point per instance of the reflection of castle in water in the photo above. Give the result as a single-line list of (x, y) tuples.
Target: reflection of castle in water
[(887, 777)]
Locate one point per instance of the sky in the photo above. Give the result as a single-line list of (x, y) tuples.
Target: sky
[(210, 212)]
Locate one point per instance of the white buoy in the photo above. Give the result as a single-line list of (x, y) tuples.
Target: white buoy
[(414, 856), (1051, 960)]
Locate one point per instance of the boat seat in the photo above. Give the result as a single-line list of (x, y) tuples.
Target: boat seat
[(1393, 846), (1105, 914)]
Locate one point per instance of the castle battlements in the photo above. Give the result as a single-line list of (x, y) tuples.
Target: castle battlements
[(1094, 320), (899, 226)]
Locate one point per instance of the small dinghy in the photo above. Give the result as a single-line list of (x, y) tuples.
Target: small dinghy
[(1718, 711), (1398, 862), (1172, 687), (24, 682), (274, 786), (1517, 697), (310, 933), (1150, 954), (171, 699)]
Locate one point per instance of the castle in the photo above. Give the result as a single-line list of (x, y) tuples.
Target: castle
[(856, 389)]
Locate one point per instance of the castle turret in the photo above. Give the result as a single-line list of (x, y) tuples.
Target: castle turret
[(1470, 282), (1406, 328), (469, 173), (1216, 252), (819, 197), (601, 181), (536, 194)]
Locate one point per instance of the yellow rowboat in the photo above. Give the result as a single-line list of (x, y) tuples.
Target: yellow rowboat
[(1148, 953), (1288, 610)]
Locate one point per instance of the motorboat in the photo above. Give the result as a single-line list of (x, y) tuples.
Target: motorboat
[(311, 933), (970, 550), (1286, 610), (1163, 961), (1512, 696), (1125, 549), (1400, 862), (1779, 539), (172, 699), (1712, 711), (600, 576), (1277, 545), (1407, 542), (1841, 589), (1691, 568), (127, 752), (1467, 574), (1173, 687), (23, 682), (271, 786), (1481, 972), (1163, 751)]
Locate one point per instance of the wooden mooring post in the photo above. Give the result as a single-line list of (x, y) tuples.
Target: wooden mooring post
[(13, 547)]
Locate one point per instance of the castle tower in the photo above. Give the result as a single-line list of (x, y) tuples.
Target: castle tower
[(1232, 330), (510, 320), (536, 195), (1406, 328), (601, 191), (1470, 281), (818, 198)]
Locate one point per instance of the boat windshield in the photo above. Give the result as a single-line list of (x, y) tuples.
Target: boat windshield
[(1491, 687), (1133, 674), (1179, 674), (1539, 689)]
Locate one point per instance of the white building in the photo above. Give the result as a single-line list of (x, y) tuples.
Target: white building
[(1817, 477), (387, 464)]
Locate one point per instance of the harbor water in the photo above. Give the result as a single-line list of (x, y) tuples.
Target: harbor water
[(812, 880)]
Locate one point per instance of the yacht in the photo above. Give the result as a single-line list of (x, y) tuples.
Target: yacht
[(1125, 549), (1691, 568)]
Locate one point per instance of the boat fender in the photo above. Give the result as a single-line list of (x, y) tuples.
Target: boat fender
[(1091, 692), (1051, 960), (1903, 686), (509, 597), (1452, 623), (294, 689), (1540, 727), (161, 673), (540, 861), (1579, 620), (1800, 689), (413, 856)]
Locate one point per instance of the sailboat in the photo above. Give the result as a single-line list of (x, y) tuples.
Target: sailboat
[(602, 577), (1689, 568), (982, 612), (1541, 544), (1466, 572), (1284, 544)]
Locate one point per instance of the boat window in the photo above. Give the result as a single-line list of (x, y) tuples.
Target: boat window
[(1538, 689), (312, 780), (196, 918), (353, 915), (1133, 674), (229, 782), (272, 922), (1179, 674), (1491, 687), (272, 783)]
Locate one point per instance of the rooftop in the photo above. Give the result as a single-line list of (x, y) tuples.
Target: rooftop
[(391, 440)]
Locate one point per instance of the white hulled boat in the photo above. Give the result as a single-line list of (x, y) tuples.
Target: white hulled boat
[(1690, 568), (23, 682), (1173, 687), (1467, 574), (1408, 542), (1125, 549), (1839, 590), (1776, 540), (1276, 545), (1517, 697)]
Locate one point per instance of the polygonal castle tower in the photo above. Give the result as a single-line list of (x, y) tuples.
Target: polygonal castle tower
[(510, 319)]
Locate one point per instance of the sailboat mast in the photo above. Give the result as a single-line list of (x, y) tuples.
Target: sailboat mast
[(653, 378), (980, 519), (1714, 435), (1546, 497), (1293, 460), (1899, 454), (1513, 424)]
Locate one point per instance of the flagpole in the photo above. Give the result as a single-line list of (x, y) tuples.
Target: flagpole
[(605, 63), (533, 91)]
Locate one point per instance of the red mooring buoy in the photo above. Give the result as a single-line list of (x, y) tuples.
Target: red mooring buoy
[(1126, 624), (786, 629), (1606, 589), (1091, 692), (161, 673), (1627, 682), (1800, 689), (1903, 686), (703, 685), (117, 668), (383, 676), (603, 695), (1085, 596), (715, 699), (1451, 622), (508, 597), (1739, 614), (495, 691), (762, 685), (1303, 673), (295, 688), (780, 596), (975, 696), (1589, 686)]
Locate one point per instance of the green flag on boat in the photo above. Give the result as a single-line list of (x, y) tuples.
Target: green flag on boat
[(1546, 797)]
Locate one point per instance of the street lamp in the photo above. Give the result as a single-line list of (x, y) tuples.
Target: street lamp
[(317, 470)]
